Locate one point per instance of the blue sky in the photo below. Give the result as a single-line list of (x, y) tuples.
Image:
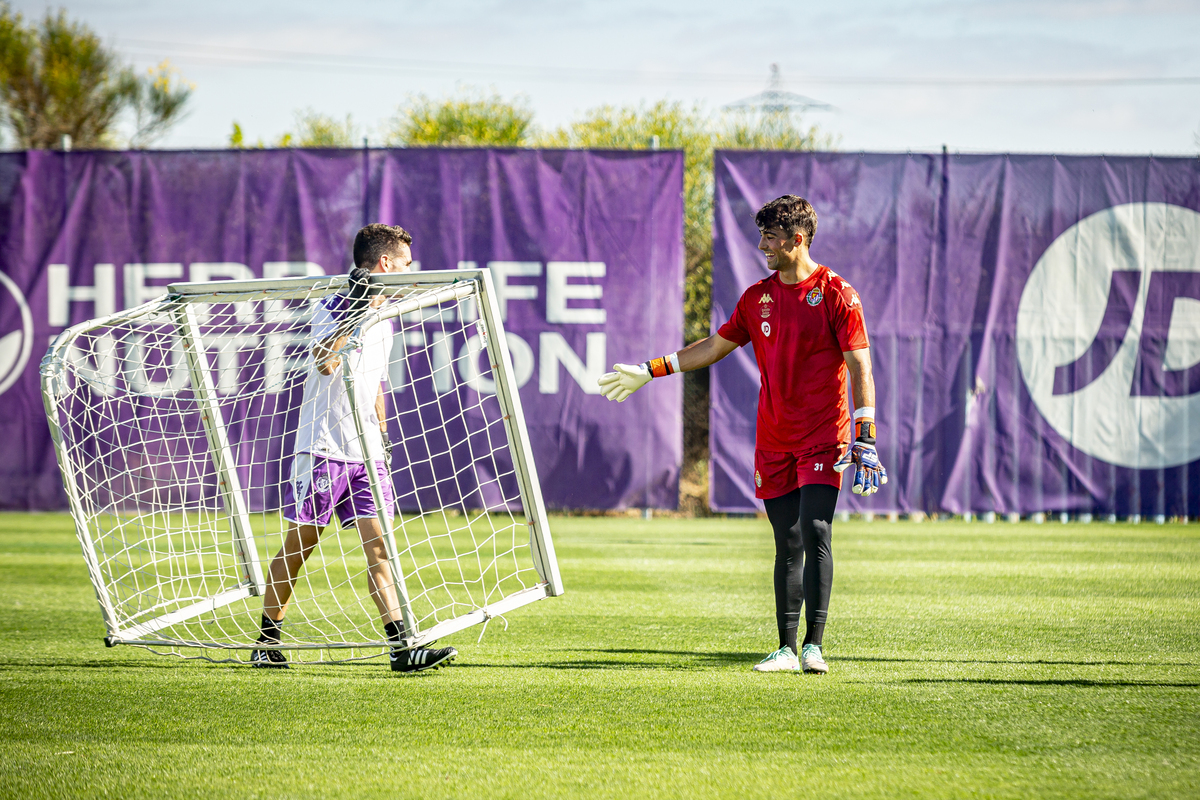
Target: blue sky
[(902, 75)]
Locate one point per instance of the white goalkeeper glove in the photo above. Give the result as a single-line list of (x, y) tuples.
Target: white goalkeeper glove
[(624, 381)]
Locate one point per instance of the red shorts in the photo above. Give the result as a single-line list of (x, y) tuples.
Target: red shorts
[(776, 474)]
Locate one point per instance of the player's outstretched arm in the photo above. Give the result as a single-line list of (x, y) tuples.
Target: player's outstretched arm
[(869, 473), (625, 379)]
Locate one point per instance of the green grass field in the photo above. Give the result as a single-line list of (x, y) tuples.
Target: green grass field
[(967, 660)]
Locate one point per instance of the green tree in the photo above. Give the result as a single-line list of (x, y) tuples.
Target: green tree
[(157, 100), (321, 130), (58, 79), (772, 130), (671, 126), (312, 130), (469, 119), (237, 137), (679, 127)]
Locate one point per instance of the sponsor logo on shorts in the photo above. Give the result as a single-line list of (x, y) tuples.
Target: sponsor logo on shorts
[(766, 329), (814, 296), (757, 479), (323, 483)]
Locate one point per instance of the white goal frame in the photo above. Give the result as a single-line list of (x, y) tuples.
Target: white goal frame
[(415, 291)]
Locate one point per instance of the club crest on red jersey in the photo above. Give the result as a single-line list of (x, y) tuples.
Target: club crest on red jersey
[(814, 296)]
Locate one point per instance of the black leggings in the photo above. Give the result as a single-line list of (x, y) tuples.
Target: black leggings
[(803, 523)]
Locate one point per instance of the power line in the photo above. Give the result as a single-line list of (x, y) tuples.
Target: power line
[(267, 58)]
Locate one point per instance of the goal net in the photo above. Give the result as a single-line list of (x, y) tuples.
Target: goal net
[(175, 422)]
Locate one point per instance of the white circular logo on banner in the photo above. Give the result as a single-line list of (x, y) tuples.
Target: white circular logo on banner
[(1108, 335), (14, 345)]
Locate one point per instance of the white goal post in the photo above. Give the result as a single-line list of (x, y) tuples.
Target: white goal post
[(174, 423)]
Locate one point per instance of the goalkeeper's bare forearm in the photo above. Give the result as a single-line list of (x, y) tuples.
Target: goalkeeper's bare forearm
[(862, 382), (704, 353)]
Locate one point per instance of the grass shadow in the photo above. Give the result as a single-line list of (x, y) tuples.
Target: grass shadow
[(686, 660), (1048, 662), (65, 664), (614, 666), (710, 658), (1082, 682)]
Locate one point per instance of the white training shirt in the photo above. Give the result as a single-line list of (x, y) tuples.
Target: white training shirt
[(326, 425)]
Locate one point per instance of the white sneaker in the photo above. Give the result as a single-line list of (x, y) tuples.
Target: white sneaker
[(812, 660), (782, 660)]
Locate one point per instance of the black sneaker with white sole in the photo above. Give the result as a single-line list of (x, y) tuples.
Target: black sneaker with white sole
[(421, 658), (268, 659)]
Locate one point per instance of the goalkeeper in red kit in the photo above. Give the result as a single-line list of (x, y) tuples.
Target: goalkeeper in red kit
[(806, 325)]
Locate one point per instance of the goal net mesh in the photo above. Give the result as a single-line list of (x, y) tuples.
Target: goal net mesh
[(175, 425)]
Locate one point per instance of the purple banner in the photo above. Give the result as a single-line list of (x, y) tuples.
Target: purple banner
[(585, 249), (1034, 323)]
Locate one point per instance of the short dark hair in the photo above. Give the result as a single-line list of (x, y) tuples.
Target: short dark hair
[(791, 214), (377, 240)]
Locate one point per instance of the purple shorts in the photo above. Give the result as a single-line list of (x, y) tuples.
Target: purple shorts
[(319, 486)]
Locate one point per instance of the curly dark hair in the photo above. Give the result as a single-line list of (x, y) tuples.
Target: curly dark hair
[(791, 214), (377, 240)]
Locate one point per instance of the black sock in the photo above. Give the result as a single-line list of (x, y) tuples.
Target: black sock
[(270, 630), (394, 631)]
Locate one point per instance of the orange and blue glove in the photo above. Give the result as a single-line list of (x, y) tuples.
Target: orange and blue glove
[(869, 473)]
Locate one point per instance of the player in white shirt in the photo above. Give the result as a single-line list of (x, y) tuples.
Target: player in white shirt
[(329, 470)]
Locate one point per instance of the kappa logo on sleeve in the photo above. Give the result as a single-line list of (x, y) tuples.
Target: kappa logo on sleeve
[(16, 333), (1108, 335)]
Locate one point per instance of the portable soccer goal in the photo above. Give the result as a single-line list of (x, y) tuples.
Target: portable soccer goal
[(174, 424)]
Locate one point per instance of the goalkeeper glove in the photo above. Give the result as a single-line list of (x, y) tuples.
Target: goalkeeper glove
[(628, 378), (869, 473), (624, 381), (357, 300)]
